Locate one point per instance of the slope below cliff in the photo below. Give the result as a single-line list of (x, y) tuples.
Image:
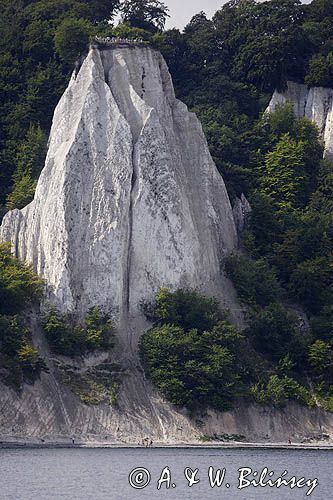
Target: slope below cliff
[(53, 410)]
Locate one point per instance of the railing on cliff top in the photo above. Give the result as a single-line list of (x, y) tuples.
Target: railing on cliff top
[(119, 42)]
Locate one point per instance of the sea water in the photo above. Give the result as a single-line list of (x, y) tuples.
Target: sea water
[(194, 474)]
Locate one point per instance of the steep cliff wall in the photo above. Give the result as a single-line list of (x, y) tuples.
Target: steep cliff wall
[(129, 199), (315, 103)]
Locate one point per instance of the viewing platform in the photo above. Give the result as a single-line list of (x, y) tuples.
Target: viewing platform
[(117, 42)]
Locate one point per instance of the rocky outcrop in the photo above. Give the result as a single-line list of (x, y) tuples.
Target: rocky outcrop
[(242, 211), (315, 103), (129, 199)]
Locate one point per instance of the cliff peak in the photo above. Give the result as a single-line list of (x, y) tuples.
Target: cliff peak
[(129, 199)]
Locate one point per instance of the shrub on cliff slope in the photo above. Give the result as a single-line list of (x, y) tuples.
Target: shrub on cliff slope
[(192, 368), (20, 288), (68, 338), (185, 308), (274, 332), (204, 364), (279, 390), (19, 360), (255, 281), (19, 285)]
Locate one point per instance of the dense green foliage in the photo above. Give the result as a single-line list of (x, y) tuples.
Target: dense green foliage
[(224, 69), (197, 359), (185, 308), (19, 360), (279, 390), (18, 283), (255, 281), (191, 368), (148, 15), (68, 338), (71, 39), (193, 354), (19, 287), (291, 224), (29, 159)]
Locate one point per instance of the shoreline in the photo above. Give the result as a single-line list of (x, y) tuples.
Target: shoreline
[(20, 444)]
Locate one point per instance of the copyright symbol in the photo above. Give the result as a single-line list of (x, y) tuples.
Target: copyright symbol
[(139, 478)]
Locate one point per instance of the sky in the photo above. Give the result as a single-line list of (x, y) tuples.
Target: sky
[(181, 11)]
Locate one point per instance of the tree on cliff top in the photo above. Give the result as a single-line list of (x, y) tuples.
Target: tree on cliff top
[(71, 39), (94, 10), (102, 10), (149, 15)]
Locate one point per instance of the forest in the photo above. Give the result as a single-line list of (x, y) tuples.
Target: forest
[(225, 70)]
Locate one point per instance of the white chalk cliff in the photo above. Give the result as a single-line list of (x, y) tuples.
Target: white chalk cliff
[(315, 103), (129, 199)]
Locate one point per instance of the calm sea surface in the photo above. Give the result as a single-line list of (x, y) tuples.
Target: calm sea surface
[(98, 474)]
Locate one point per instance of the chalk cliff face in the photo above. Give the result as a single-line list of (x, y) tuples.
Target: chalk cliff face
[(315, 103), (129, 199)]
